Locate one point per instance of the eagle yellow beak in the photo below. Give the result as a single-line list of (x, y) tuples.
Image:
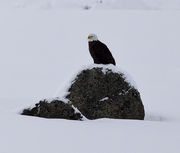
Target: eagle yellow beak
[(89, 37)]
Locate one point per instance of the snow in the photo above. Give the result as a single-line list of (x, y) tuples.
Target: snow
[(104, 99), (41, 49), (63, 99), (77, 111), (92, 4)]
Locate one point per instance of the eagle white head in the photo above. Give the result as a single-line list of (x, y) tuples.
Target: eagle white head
[(92, 37)]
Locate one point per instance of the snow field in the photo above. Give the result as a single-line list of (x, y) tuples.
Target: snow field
[(42, 49)]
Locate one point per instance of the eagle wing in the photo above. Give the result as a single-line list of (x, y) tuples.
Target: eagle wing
[(102, 54)]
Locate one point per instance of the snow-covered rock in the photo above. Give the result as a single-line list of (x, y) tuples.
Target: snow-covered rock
[(98, 91), (53, 109), (103, 91)]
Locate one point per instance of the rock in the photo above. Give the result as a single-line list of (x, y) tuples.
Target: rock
[(53, 109), (102, 92)]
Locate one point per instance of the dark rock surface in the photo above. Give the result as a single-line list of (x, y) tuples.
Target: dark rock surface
[(105, 95), (53, 109), (97, 92)]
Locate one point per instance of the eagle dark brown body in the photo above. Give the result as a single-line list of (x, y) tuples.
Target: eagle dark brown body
[(100, 53)]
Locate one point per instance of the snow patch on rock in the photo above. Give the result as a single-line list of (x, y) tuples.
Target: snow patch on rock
[(77, 111), (110, 67), (104, 99), (62, 91)]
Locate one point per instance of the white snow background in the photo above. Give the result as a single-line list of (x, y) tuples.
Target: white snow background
[(93, 4), (42, 45)]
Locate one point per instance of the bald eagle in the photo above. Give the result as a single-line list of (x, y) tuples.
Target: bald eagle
[(99, 51)]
